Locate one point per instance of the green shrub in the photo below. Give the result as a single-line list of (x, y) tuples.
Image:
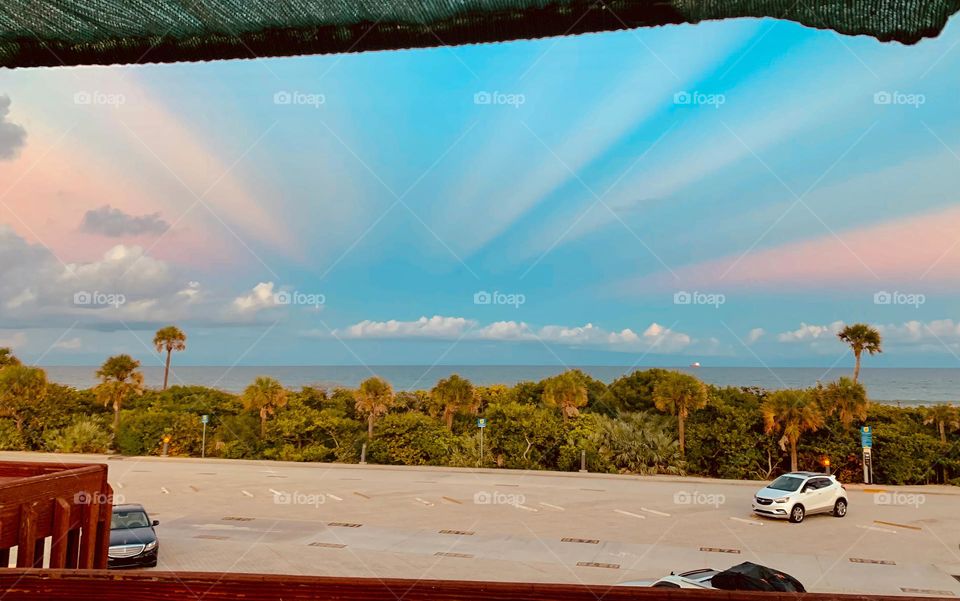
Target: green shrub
[(10, 439), (84, 435), (410, 439)]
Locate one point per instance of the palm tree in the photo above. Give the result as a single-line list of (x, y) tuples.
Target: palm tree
[(21, 388), (374, 398), (7, 358), (566, 391), (454, 394), (945, 417), (847, 398), (861, 337), (264, 396), (169, 339), (794, 412), (119, 379), (679, 394)]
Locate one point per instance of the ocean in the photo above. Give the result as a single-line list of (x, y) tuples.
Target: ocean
[(892, 385)]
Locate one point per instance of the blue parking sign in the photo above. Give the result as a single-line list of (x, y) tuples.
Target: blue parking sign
[(866, 437), (481, 422)]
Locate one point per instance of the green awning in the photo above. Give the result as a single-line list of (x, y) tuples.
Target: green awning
[(72, 32)]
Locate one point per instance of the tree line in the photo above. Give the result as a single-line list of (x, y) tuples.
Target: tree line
[(649, 421)]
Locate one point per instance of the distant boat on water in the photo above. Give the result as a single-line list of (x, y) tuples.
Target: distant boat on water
[(695, 364)]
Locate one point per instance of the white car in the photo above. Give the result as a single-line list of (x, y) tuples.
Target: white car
[(795, 495), (692, 579)]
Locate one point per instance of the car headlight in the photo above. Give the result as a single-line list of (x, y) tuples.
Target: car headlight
[(150, 546), (781, 500)]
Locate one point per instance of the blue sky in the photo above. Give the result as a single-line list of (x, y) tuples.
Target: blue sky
[(729, 193)]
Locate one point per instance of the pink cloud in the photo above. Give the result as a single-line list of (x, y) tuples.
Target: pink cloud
[(923, 250)]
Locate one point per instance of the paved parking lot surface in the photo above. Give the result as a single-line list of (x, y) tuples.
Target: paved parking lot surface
[(384, 521)]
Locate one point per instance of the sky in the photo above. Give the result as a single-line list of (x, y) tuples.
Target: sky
[(728, 193)]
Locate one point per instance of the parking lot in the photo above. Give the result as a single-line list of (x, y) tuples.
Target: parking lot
[(384, 521)]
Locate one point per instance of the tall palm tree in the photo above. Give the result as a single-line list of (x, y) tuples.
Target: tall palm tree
[(374, 398), (7, 358), (566, 391), (861, 337), (679, 394), (21, 388), (264, 396), (945, 416), (454, 394), (847, 398), (169, 339), (119, 379), (793, 412)]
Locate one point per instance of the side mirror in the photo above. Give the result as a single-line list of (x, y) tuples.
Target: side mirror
[(156, 522)]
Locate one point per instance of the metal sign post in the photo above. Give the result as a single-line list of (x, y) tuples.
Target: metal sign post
[(866, 441), (482, 424), (203, 445)]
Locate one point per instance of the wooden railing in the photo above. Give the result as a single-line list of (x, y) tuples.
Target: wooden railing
[(73, 585), (63, 508)]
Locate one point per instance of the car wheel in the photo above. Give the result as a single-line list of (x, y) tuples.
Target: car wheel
[(840, 508), (796, 514)]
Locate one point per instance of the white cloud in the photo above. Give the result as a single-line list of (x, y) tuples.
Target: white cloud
[(432, 327), (261, 297), (755, 334), (810, 332), (919, 332), (69, 344), (507, 330), (655, 337)]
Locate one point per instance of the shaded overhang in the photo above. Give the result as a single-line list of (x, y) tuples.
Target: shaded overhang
[(35, 33)]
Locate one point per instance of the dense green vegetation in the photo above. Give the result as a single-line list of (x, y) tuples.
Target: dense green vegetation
[(651, 421)]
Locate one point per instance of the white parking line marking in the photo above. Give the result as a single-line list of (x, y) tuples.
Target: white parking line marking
[(875, 529), (746, 521), (425, 502), (524, 507), (557, 507), (655, 512), (334, 497), (164, 490), (276, 492), (633, 515), (249, 494), (119, 484)]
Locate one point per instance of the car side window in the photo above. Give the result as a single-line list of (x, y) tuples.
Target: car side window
[(818, 483)]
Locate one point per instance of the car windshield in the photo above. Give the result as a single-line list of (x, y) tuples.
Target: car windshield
[(124, 520), (786, 483)]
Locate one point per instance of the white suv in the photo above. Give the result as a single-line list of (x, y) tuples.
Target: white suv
[(794, 495)]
